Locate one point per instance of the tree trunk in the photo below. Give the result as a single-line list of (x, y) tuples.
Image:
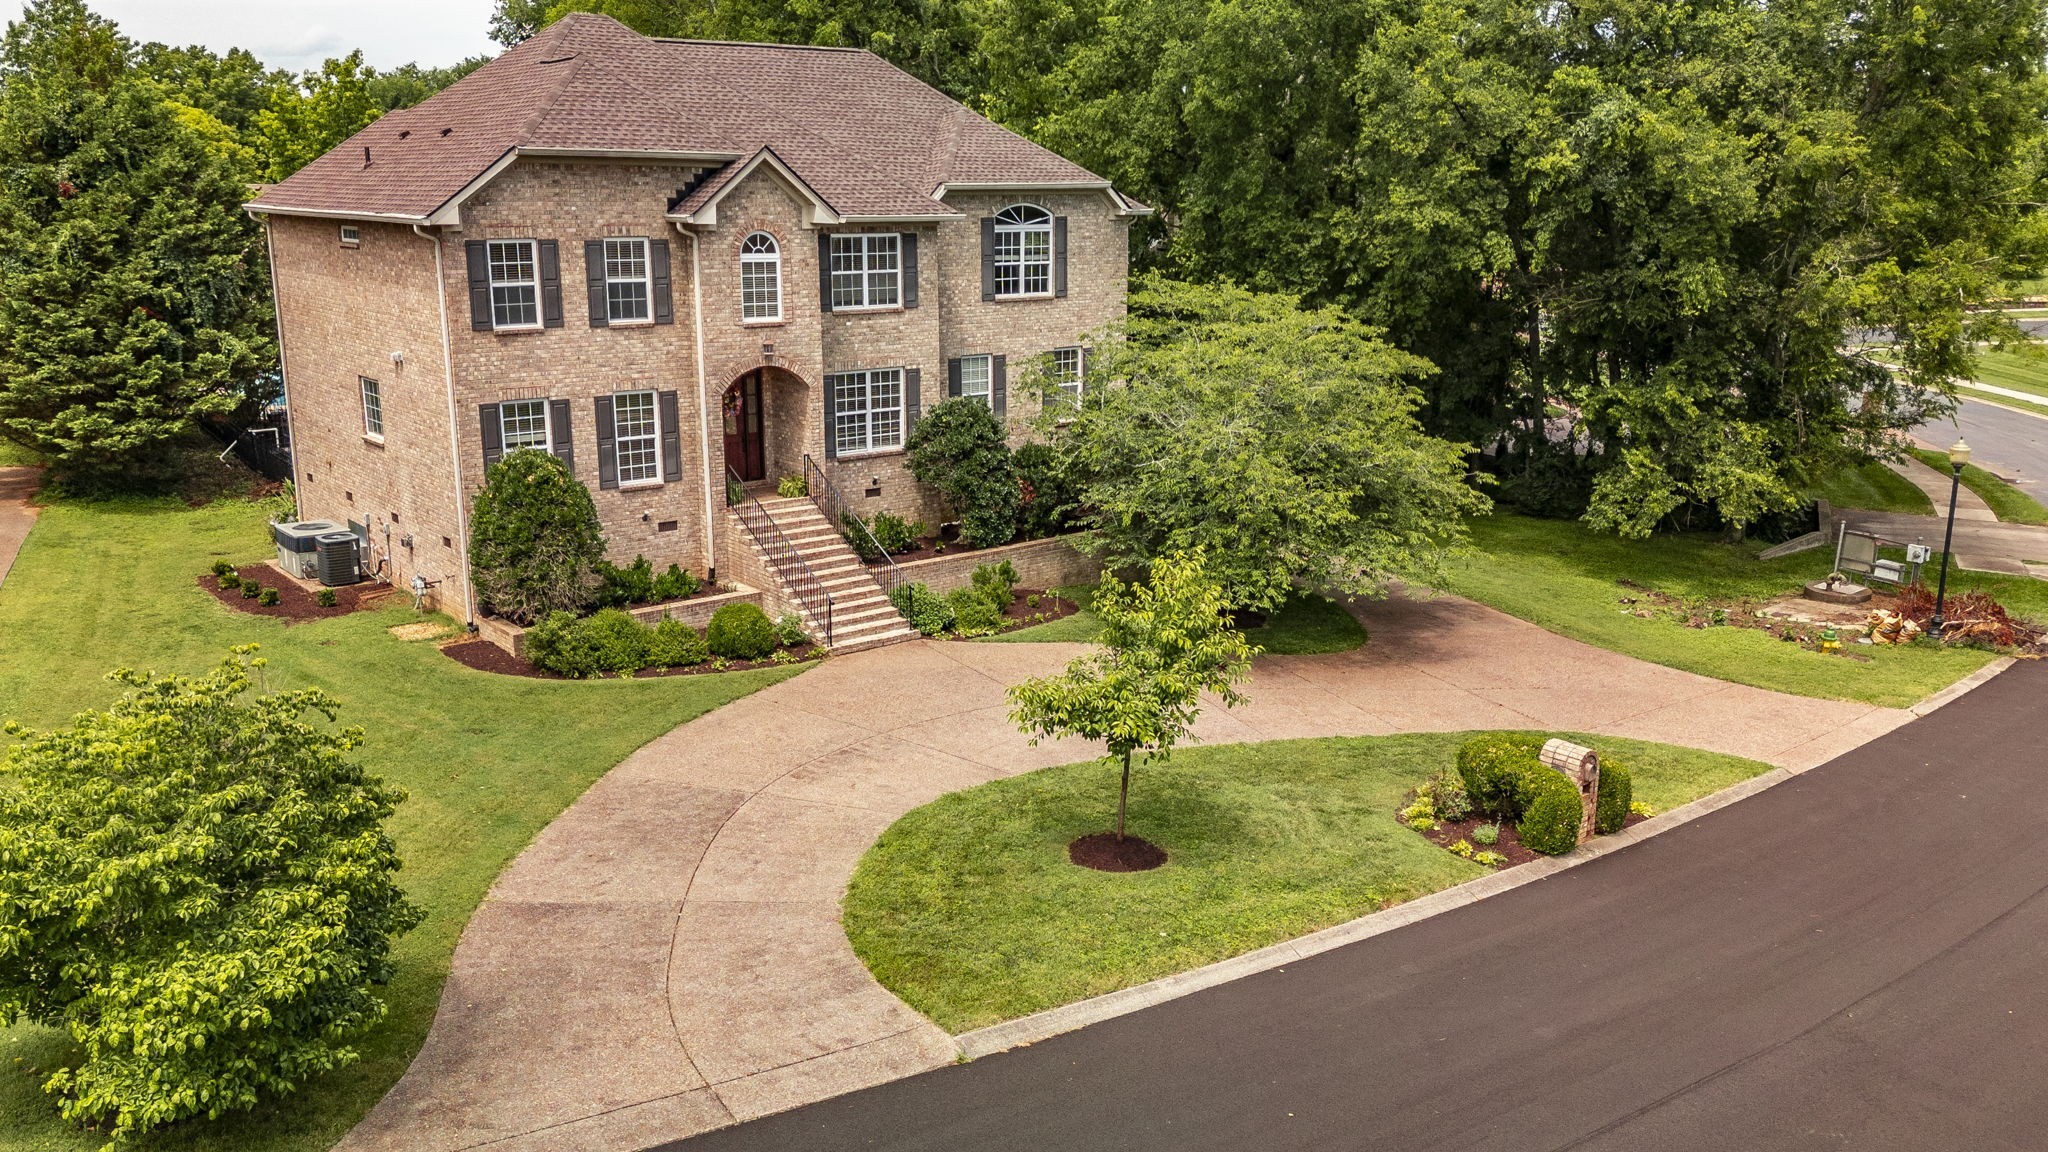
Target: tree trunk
[(1123, 797)]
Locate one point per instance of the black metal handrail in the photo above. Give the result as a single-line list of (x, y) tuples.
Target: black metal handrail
[(834, 507), (789, 563)]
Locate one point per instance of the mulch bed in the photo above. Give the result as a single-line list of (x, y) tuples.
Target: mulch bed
[(485, 656), (294, 604), (1019, 614), (1447, 833), (1105, 853)]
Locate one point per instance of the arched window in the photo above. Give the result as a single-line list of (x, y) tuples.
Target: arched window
[(1023, 255), (760, 278)]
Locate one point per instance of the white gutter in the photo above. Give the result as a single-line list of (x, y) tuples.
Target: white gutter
[(255, 208), (454, 441), (291, 428), (703, 409)]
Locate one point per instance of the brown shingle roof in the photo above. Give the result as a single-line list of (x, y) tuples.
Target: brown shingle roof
[(869, 139)]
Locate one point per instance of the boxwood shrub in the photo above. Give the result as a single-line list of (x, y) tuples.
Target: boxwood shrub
[(1505, 777), (740, 632), (1617, 792), (1491, 767), (676, 645), (558, 643), (619, 641), (1550, 811)]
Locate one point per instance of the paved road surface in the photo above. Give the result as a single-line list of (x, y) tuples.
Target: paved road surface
[(2012, 444), (1850, 960)]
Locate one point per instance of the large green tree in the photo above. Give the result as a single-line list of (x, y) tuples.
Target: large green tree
[(198, 887), (1280, 441), (133, 289)]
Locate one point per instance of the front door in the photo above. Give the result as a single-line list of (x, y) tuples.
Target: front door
[(744, 452)]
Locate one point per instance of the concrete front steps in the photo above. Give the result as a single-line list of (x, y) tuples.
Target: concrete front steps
[(862, 616)]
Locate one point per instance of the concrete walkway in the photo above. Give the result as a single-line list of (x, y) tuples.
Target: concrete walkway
[(1937, 484), (666, 958), (1979, 546), (17, 515)]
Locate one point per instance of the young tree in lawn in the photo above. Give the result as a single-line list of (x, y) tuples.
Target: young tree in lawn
[(198, 888), (1165, 642), (1280, 441), (534, 539), (134, 291)]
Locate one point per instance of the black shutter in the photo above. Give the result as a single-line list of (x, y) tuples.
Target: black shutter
[(558, 429), (910, 269), (988, 258), (824, 272), (664, 294), (913, 400), (494, 434), (607, 456), (671, 439), (999, 383), (952, 378), (479, 286), (593, 276), (831, 420), (550, 284), (1059, 255)]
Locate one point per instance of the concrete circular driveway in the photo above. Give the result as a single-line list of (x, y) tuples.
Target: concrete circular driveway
[(666, 957)]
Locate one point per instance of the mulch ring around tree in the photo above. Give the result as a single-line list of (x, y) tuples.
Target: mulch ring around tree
[(1449, 832), (294, 604), (1105, 852), (485, 656)]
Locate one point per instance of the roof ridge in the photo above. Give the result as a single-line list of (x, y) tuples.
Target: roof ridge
[(761, 44)]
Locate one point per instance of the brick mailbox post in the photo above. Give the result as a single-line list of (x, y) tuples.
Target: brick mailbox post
[(1581, 765)]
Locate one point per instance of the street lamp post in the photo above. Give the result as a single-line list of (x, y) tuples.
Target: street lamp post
[(1958, 455)]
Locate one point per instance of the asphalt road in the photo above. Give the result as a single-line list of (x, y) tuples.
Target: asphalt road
[(1852, 959), (2014, 445)]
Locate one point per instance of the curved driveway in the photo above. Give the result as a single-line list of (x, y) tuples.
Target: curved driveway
[(666, 958), (1852, 959)]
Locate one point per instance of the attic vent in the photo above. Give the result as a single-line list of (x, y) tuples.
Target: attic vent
[(446, 131), (405, 134), (559, 60)]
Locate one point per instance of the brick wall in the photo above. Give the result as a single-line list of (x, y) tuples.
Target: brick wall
[(695, 612), (1054, 563)]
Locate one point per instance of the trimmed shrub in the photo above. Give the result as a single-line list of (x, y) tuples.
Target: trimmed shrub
[(997, 583), (269, 597), (740, 632), (790, 631), (676, 645), (326, 598), (973, 615), (895, 534), (251, 589), (619, 640), (1617, 795), (223, 568), (559, 644), (675, 584), (533, 538), (230, 581), (926, 610), (959, 449), (618, 587), (1550, 811), (1490, 766)]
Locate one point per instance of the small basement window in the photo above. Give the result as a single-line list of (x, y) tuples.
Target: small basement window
[(351, 236)]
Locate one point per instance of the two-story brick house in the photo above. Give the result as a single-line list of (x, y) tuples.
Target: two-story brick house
[(670, 263)]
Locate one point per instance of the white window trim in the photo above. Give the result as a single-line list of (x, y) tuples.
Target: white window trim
[(1080, 381), (654, 439), (491, 275), (547, 426), (987, 395), (773, 259), (351, 236), (365, 389), (645, 279), (901, 406), (867, 240), (1005, 227)]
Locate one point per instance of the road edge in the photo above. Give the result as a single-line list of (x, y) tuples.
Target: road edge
[(1026, 1030)]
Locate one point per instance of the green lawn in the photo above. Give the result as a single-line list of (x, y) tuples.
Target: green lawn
[(968, 909), (1984, 397), (1564, 576), (2009, 503), (1305, 625), (1873, 487), (12, 454), (2023, 369), (488, 760)]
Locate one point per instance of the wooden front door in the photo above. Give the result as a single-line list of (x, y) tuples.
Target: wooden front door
[(744, 451)]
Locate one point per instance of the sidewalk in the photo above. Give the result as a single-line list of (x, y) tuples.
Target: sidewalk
[(1937, 485), (1979, 546), (667, 958), (17, 515)]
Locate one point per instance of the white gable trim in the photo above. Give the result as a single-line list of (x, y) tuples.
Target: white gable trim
[(817, 210)]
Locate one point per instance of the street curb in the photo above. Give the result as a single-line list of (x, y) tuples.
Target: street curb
[(1068, 1017)]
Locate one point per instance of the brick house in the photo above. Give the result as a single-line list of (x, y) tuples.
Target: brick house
[(671, 263)]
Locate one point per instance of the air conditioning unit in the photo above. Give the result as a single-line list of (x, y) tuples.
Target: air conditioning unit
[(297, 548), (338, 560)]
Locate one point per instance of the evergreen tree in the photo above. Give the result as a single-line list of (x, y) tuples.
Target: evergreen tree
[(134, 292)]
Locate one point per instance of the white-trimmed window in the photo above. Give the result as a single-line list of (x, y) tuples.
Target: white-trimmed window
[(867, 270), (351, 236), (524, 424), (636, 437), (867, 410), (977, 377), (1064, 370), (760, 278), (515, 284), (628, 287), (373, 407), (1023, 255)]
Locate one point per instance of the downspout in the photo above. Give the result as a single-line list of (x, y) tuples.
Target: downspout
[(291, 428), (703, 412), (454, 441)]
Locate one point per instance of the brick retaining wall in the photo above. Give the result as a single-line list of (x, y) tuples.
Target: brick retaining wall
[(696, 612), (1053, 563)]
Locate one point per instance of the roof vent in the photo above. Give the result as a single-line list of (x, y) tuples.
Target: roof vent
[(558, 60), (405, 134), (446, 131)]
